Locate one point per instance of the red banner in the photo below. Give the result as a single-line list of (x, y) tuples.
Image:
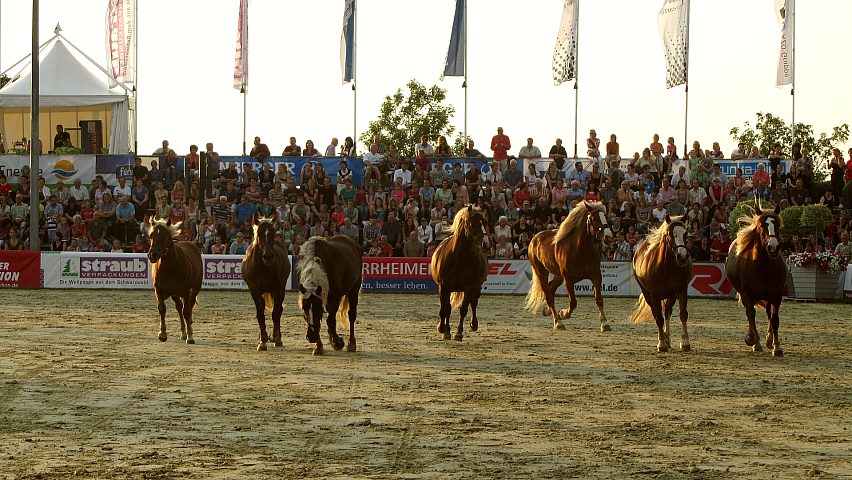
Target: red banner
[(20, 269)]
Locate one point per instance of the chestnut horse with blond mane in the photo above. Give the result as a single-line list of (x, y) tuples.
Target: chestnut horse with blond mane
[(758, 273), (176, 272), (570, 255), (265, 269), (662, 267), (459, 268)]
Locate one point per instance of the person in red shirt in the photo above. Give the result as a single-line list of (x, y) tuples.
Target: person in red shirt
[(760, 174), (522, 194), (720, 246), (500, 144), (848, 176)]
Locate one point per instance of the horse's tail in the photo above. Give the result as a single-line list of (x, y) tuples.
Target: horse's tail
[(456, 299), (267, 298), (343, 313), (535, 297), (641, 311)]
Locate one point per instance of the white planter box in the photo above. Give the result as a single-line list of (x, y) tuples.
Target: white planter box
[(811, 282)]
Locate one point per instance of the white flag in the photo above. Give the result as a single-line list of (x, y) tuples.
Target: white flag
[(673, 21), (786, 13), (565, 51), (241, 56), (121, 31)]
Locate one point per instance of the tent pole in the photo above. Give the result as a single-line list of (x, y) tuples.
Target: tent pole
[(35, 244)]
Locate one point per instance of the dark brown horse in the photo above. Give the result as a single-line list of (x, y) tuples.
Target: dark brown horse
[(177, 273), (330, 279), (758, 273), (459, 267), (265, 269), (570, 255), (662, 267)]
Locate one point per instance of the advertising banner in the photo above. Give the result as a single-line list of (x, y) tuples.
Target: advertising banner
[(20, 269), (52, 167), (397, 275), (847, 283), (709, 280)]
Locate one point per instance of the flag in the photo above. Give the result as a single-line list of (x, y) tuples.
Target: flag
[(121, 33), (347, 42), (785, 11), (241, 56), (673, 21), (454, 64), (565, 51)]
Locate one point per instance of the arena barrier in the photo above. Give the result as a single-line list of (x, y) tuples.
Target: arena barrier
[(19, 269)]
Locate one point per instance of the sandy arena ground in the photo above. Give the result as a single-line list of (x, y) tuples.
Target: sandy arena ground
[(87, 391)]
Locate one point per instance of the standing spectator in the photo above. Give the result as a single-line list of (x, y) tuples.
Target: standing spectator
[(500, 145), (331, 149), (613, 150), (192, 160), (593, 145), (656, 147), (348, 148), (835, 164), (164, 150), (623, 251)]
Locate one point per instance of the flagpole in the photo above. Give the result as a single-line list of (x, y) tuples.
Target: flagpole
[(464, 84), (354, 64), (244, 91), (686, 87), (34, 135), (136, 77), (576, 77)]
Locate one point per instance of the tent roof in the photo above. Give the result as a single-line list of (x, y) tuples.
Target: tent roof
[(68, 78)]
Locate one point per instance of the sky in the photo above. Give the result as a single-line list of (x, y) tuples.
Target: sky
[(186, 61)]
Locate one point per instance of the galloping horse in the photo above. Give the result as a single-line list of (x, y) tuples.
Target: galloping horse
[(758, 273), (265, 270), (662, 267), (176, 272), (570, 254), (459, 267), (330, 278)]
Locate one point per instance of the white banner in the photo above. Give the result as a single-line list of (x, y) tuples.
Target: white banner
[(785, 12), (52, 167), (673, 22), (565, 51), (133, 271), (241, 57), (847, 282), (513, 277), (121, 31)]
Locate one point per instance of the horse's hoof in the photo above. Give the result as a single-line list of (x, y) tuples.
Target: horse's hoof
[(261, 347), (162, 336), (441, 327), (351, 347), (447, 335), (777, 352), (279, 343), (685, 348), (545, 312), (749, 340), (474, 326), (564, 314), (338, 345), (190, 341), (458, 336), (606, 328), (317, 351), (757, 347), (183, 337), (558, 326), (662, 348)]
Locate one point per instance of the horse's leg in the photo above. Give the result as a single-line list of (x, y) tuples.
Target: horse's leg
[(331, 322), (188, 305), (179, 307), (446, 309), (161, 307), (774, 322), (596, 284), (260, 307), (474, 301), (668, 307), (277, 310), (752, 339), (550, 297), (684, 315), (663, 343), (462, 313), (352, 346)]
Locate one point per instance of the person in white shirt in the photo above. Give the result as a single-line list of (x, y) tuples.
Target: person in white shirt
[(529, 151), (503, 228), (697, 194), (122, 189), (424, 231), (425, 146), (623, 250), (494, 174), (331, 149), (659, 212), (78, 191), (681, 174), (373, 156), (404, 174), (164, 150), (739, 153)]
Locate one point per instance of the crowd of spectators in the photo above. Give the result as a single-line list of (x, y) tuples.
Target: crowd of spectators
[(405, 206)]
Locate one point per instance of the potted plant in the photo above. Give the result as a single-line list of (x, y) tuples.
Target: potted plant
[(815, 274)]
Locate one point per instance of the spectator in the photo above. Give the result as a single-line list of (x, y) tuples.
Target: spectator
[(244, 210), (844, 247), (593, 144), (500, 145), (125, 219), (413, 247), (503, 250), (529, 151), (310, 150), (331, 149), (260, 151), (558, 154), (386, 249), (623, 251), (613, 151), (348, 148), (720, 247), (444, 150), (239, 246), (79, 191), (424, 145), (471, 152), (292, 150), (739, 153)]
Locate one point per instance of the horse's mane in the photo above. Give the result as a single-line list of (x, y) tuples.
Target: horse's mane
[(312, 275), (174, 230), (749, 234), (462, 218), (657, 235), (256, 227), (576, 220)]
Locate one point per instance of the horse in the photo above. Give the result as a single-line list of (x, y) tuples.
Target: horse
[(758, 273), (177, 273), (662, 267), (329, 272), (570, 255), (265, 269), (459, 268)]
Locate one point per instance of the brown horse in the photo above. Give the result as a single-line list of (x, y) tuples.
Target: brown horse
[(570, 255), (177, 273), (662, 267), (265, 269), (758, 273), (459, 267), (330, 279)]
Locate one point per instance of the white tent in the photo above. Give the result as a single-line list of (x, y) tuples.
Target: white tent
[(72, 88)]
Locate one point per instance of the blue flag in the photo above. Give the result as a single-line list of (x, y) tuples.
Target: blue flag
[(454, 66), (347, 42)]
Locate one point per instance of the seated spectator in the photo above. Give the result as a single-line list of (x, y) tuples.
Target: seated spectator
[(310, 150), (739, 153), (721, 244), (413, 247), (424, 145), (292, 150), (239, 246), (443, 149)]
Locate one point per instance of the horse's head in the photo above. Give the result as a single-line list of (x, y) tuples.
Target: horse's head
[(161, 239), (597, 222), (769, 224), (471, 222), (264, 238), (676, 231), (311, 301)]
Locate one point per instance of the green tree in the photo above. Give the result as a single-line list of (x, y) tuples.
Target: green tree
[(769, 130), (403, 119)]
